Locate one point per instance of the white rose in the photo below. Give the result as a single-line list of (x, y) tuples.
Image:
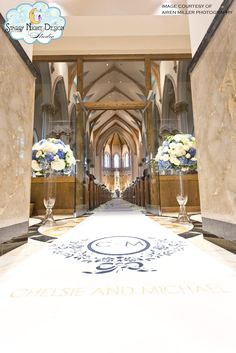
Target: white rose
[(188, 155), (49, 147), (58, 165), (35, 166), (180, 150), (39, 154)]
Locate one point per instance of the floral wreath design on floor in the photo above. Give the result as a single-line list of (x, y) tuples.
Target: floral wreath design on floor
[(107, 254)]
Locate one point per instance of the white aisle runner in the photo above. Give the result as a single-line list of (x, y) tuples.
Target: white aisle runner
[(118, 283)]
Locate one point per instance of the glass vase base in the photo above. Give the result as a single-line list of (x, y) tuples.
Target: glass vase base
[(48, 220), (182, 200), (183, 219)]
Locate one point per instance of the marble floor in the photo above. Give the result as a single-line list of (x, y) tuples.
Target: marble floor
[(119, 281)]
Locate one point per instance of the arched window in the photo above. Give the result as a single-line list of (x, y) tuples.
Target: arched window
[(106, 160), (116, 160), (126, 160)]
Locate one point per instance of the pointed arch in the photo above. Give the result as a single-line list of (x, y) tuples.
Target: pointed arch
[(169, 119)]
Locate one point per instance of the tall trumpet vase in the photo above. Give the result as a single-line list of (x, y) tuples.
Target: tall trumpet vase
[(49, 197), (182, 199)]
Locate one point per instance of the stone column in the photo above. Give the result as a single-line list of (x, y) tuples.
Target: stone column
[(48, 111), (181, 110), (149, 111), (153, 185), (81, 203)]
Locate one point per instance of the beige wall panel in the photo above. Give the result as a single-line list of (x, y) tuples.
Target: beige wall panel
[(16, 111)]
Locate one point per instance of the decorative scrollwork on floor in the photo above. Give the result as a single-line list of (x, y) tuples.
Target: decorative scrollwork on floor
[(143, 260)]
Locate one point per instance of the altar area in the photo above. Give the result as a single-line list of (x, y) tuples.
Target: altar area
[(118, 282)]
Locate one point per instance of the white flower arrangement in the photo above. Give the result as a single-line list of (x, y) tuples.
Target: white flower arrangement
[(52, 154), (177, 152)]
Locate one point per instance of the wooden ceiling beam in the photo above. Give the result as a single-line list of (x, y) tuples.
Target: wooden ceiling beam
[(72, 70), (156, 72), (119, 105), (122, 57)]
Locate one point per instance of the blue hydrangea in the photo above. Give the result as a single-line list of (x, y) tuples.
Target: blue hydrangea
[(164, 165), (192, 152), (61, 154), (190, 163), (49, 157), (34, 152), (183, 160)]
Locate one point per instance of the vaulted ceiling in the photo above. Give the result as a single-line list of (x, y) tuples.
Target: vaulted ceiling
[(114, 81)]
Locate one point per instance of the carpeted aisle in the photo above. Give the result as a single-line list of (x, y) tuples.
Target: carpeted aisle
[(117, 283)]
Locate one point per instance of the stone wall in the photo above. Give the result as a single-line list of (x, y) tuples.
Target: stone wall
[(214, 102), (17, 84)]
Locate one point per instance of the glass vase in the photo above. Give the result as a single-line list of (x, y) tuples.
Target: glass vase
[(182, 199), (49, 197)]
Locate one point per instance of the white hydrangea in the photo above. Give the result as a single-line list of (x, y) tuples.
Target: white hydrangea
[(186, 147), (165, 149), (165, 157), (174, 160), (178, 137), (36, 166), (172, 152), (49, 147), (70, 160), (58, 165), (180, 151), (67, 148), (172, 145)]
